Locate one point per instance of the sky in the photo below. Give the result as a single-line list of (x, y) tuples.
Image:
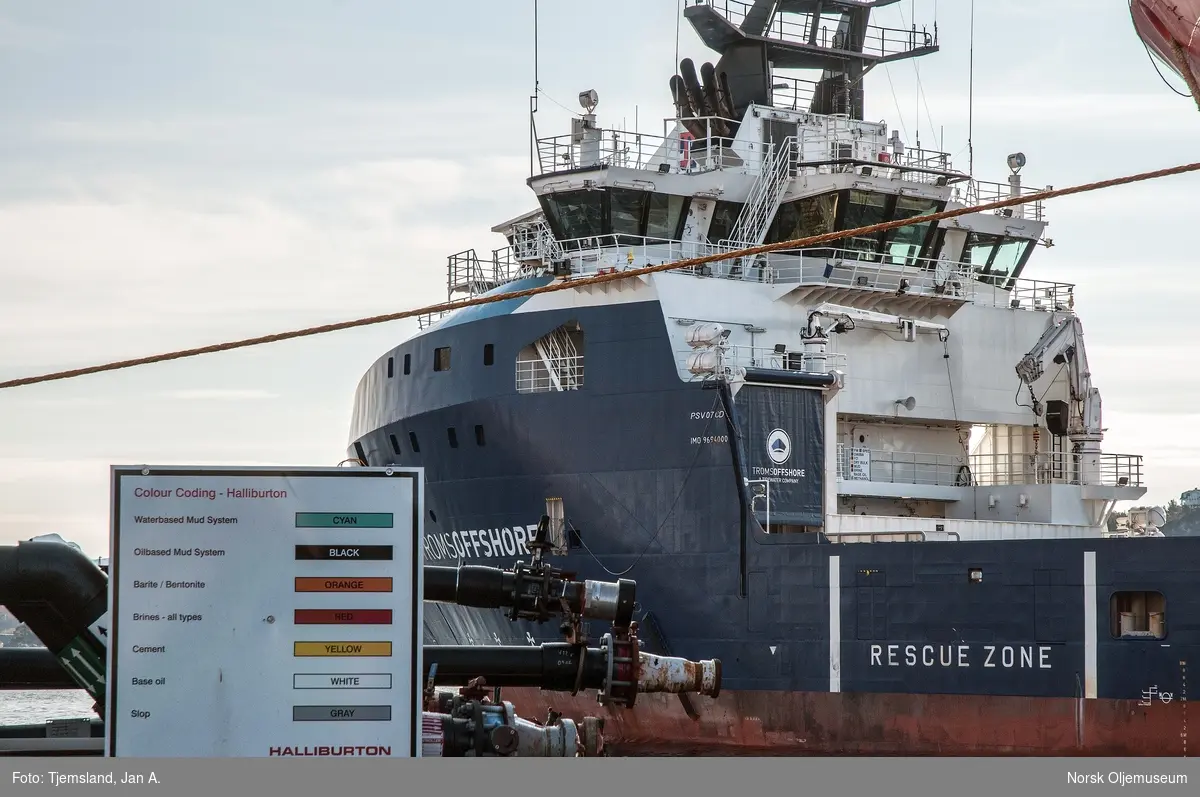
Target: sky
[(174, 175)]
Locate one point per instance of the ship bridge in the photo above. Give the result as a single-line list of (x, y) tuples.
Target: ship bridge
[(755, 157)]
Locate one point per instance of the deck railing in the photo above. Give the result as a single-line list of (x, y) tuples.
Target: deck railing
[(879, 42), (702, 363), (668, 152), (981, 192), (533, 375), (848, 268), (901, 467), (982, 470), (1053, 467)]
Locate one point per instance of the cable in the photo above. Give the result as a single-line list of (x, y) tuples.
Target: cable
[(686, 477), (1154, 63), (598, 279)]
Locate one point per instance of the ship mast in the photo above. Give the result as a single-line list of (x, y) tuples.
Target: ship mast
[(755, 39)]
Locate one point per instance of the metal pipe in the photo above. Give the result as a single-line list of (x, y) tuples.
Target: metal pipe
[(59, 593), (531, 593), (32, 668), (563, 667), (53, 588), (553, 666)]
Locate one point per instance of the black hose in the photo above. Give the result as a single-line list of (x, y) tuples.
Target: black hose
[(553, 666), (735, 447)]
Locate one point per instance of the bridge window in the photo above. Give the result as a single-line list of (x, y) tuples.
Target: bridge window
[(846, 210), (904, 245), (1138, 615), (479, 441), (489, 354), (407, 364), (812, 215), (864, 208), (627, 209), (627, 214), (441, 359), (665, 216), (412, 441), (391, 366), (452, 436), (574, 214), (395, 444), (997, 259), (725, 215), (1009, 257)]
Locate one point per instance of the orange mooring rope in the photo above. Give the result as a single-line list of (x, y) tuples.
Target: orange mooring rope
[(798, 243)]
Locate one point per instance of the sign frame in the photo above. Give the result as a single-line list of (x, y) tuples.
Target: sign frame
[(416, 477)]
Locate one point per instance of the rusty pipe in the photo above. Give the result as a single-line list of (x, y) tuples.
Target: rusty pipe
[(475, 728), (678, 676), (563, 667), (530, 593)]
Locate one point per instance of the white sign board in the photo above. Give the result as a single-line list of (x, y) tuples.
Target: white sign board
[(260, 612), (860, 464)]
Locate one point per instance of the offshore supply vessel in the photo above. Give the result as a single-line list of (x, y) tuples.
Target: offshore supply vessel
[(869, 477)]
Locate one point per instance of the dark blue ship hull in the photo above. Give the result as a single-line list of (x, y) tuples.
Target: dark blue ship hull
[(879, 648)]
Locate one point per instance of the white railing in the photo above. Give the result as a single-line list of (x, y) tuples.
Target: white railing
[(901, 467), (560, 358), (563, 373), (426, 320), (703, 363), (533, 241), (1026, 294), (838, 145), (857, 269), (879, 42), (1053, 467), (980, 192), (984, 470), (763, 201), (670, 152), (952, 280)]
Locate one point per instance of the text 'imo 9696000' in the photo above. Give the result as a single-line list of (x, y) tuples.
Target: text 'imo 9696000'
[(870, 477)]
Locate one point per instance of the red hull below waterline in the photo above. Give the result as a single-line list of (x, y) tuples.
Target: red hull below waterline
[(820, 723), (1159, 22)]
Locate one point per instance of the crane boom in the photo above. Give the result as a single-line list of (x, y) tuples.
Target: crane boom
[(1062, 344)]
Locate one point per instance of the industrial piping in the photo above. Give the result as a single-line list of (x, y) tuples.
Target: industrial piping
[(59, 594)]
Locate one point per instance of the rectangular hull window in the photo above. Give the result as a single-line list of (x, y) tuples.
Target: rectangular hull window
[(1138, 615)]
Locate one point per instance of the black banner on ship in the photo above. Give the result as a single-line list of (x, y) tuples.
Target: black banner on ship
[(782, 431)]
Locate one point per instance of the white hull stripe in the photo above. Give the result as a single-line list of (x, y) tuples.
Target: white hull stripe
[(835, 624), (1089, 625)]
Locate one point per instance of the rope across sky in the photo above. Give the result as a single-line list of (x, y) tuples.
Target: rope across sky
[(798, 243)]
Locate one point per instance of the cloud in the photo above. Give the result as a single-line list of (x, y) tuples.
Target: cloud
[(218, 395), (147, 266), (24, 37)]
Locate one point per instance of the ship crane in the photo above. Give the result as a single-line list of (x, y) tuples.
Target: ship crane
[(832, 319), (1062, 344)]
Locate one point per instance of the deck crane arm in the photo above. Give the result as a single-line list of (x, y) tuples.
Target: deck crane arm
[(1062, 344), (831, 318)]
